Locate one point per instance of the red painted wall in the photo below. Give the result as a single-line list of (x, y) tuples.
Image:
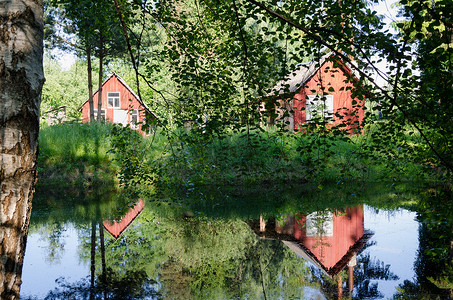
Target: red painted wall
[(113, 84), (348, 228), (117, 228), (327, 76)]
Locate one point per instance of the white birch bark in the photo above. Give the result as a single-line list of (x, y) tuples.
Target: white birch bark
[(21, 79)]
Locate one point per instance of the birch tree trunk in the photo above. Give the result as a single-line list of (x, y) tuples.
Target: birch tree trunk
[(21, 80)]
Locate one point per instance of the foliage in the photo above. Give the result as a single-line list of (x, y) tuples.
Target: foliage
[(278, 157), (63, 87), (222, 59), (129, 153), (207, 67)]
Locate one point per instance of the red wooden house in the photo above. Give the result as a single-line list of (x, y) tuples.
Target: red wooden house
[(321, 89), (328, 240), (120, 105), (116, 228)]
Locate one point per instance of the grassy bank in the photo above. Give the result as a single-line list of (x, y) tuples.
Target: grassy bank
[(73, 154), (102, 153), (267, 157)]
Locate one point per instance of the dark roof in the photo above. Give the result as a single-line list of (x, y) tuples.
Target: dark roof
[(298, 248), (292, 82), (302, 251)]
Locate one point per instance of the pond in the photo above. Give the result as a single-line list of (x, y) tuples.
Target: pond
[(267, 243)]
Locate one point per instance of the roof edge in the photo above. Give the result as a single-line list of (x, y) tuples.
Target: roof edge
[(120, 79)]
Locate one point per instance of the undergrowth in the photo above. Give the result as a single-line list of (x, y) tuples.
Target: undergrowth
[(83, 153)]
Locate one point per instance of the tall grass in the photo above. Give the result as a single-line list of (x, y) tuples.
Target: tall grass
[(75, 152), (84, 152), (269, 156)]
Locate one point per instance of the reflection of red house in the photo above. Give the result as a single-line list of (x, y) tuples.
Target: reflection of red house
[(328, 240), (116, 228), (120, 104), (320, 88), (331, 238)]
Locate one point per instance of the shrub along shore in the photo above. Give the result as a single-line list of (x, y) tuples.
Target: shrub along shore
[(82, 154)]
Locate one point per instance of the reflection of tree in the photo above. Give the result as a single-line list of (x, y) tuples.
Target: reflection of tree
[(52, 233), (224, 259), (84, 207), (273, 268), (132, 260), (134, 285), (369, 269), (319, 225), (207, 251), (118, 269), (175, 281), (366, 270), (202, 258), (434, 263)]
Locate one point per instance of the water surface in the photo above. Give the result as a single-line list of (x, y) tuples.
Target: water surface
[(228, 245)]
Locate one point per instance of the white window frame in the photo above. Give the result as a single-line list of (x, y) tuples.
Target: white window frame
[(324, 105), (114, 100), (102, 114), (319, 224), (134, 112)]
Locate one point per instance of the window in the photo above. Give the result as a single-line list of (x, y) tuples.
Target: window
[(134, 119), (102, 114), (113, 100), (319, 224), (319, 107)]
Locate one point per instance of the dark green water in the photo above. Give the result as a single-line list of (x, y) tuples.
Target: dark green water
[(276, 242)]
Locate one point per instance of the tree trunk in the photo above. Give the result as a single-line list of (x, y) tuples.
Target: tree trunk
[(21, 80), (104, 266), (101, 61), (90, 84), (93, 258)]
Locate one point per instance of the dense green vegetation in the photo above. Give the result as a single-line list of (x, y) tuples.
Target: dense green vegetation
[(82, 153), (198, 72), (204, 67)]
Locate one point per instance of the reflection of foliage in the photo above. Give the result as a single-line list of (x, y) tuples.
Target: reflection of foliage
[(434, 266), (374, 269), (175, 281), (76, 205), (211, 241), (203, 258), (138, 249), (134, 285), (369, 269), (319, 225), (249, 202), (220, 258), (52, 234), (273, 268), (207, 249)]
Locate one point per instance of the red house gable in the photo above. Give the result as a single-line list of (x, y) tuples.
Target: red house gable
[(116, 228), (327, 87), (119, 104), (329, 237), (328, 240)]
